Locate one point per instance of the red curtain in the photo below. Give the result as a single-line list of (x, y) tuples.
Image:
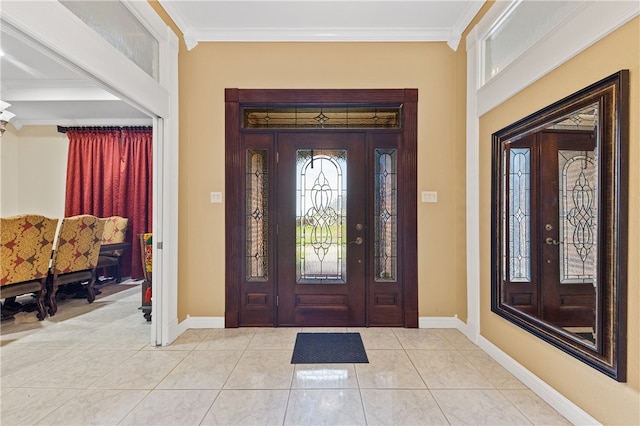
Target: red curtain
[(109, 172)]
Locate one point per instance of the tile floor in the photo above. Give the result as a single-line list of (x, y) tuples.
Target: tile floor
[(93, 365)]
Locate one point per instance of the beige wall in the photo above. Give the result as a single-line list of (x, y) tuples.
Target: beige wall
[(34, 167), (433, 68), (605, 399)]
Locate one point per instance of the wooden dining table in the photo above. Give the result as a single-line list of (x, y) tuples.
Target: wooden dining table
[(106, 248)]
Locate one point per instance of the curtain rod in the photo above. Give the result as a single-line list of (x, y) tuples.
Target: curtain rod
[(63, 129)]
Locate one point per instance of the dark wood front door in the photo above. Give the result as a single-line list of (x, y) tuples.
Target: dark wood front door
[(321, 222), (322, 229)]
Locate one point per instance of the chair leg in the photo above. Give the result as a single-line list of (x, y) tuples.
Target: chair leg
[(51, 294), (116, 273), (42, 313), (91, 294)]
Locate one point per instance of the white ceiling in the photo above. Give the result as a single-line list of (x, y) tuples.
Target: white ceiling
[(43, 90), (322, 20)]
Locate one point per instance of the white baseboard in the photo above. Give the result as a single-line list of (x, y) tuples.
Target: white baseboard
[(202, 322), (440, 322), (564, 406)]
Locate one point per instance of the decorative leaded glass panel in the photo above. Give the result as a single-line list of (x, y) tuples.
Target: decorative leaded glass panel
[(585, 119), (519, 215), (322, 117), (578, 216), (386, 215), (257, 175), (321, 213)]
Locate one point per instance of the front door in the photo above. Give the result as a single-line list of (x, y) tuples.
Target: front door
[(321, 212), (322, 229)]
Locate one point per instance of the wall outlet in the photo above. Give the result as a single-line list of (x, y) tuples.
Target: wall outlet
[(216, 197), (429, 197)]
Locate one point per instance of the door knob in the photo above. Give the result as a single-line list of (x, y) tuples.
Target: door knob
[(357, 241), (551, 241)]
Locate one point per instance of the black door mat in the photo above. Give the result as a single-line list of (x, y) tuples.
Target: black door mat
[(329, 348)]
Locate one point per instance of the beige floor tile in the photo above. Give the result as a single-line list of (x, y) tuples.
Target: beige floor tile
[(144, 370), (262, 369), (534, 408), (248, 407), (226, 339), (457, 339), (494, 372), (421, 338), (25, 406), (27, 364), (171, 407), (95, 407), (83, 369), (274, 338), (324, 376), (325, 407), (478, 407), (401, 407), (444, 369), (202, 370), (378, 338), (245, 376), (389, 369)]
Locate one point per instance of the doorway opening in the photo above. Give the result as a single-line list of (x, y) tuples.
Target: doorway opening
[(321, 224)]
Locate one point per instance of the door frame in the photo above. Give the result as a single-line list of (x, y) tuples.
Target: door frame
[(235, 99)]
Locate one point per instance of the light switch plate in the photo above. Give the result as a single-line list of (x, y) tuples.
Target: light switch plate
[(216, 197), (429, 197)]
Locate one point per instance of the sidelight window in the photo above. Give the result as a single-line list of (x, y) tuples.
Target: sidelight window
[(386, 215), (257, 241)]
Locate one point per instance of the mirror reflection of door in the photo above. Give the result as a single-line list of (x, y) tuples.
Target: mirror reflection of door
[(568, 232), (551, 226), (321, 229)]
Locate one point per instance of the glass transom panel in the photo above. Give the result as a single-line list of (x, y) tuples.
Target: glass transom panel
[(340, 117), (117, 25)]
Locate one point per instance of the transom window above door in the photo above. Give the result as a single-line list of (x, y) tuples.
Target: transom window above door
[(323, 117)]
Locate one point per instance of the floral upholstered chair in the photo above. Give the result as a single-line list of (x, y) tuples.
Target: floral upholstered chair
[(146, 254), (25, 252), (76, 255), (115, 231)]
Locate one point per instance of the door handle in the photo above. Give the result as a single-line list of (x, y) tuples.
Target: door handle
[(357, 241), (551, 241)]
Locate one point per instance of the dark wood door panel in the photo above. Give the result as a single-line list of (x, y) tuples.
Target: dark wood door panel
[(306, 300)]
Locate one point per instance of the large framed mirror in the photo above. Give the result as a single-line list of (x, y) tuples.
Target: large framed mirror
[(559, 224)]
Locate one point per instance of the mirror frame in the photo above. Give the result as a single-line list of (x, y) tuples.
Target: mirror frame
[(609, 354)]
